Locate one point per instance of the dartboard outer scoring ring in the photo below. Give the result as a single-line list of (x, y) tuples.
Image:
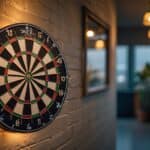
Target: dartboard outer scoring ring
[(33, 78)]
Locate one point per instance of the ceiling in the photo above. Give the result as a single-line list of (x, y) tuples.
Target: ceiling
[(130, 12)]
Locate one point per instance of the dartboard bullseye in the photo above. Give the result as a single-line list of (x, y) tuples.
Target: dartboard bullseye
[(33, 78)]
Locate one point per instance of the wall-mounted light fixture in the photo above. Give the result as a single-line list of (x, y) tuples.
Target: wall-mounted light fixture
[(148, 34), (99, 44), (146, 17), (90, 33)]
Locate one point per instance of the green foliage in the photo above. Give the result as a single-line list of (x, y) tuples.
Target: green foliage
[(145, 73), (144, 92)]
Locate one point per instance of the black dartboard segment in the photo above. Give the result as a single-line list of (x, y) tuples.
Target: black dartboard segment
[(33, 78)]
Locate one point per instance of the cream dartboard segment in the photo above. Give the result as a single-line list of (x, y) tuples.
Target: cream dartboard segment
[(33, 78)]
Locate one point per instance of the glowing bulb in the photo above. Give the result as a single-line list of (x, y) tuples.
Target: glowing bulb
[(99, 44), (148, 34), (146, 19), (90, 33)]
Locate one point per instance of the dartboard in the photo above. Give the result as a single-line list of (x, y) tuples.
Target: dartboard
[(33, 78)]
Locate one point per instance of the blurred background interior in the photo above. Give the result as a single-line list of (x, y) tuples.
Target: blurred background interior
[(133, 75)]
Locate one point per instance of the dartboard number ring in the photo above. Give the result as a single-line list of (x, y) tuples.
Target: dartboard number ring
[(33, 78)]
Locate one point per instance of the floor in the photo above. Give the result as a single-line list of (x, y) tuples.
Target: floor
[(133, 135)]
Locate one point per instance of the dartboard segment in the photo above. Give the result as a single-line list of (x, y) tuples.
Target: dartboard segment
[(33, 78)]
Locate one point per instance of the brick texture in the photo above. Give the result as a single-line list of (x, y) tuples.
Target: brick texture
[(83, 123)]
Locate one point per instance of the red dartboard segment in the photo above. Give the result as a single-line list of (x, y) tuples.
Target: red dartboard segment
[(6, 72), (44, 90), (12, 40), (29, 52), (8, 87), (16, 98), (8, 109), (11, 60), (54, 96), (38, 98), (43, 111), (27, 117), (58, 79), (28, 38), (18, 54), (31, 90), (46, 48), (27, 101), (1, 49)]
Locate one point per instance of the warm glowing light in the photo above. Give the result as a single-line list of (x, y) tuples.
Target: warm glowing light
[(12, 138), (99, 44), (148, 34), (90, 33), (146, 19)]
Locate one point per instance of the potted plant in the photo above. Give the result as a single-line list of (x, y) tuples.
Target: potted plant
[(142, 101)]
